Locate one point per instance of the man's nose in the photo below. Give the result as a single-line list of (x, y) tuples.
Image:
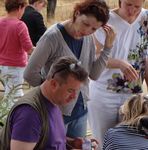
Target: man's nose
[(73, 95)]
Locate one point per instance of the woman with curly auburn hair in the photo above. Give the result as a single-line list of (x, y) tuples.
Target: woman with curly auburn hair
[(132, 132)]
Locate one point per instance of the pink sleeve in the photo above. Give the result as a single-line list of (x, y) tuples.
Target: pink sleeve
[(24, 37)]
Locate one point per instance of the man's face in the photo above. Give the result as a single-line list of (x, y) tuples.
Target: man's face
[(131, 8), (66, 92)]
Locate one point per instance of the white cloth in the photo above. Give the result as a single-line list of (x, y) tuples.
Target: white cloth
[(104, 103), (103, 111), (13, 80)]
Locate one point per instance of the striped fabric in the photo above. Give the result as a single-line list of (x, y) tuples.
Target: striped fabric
[(124, 138)]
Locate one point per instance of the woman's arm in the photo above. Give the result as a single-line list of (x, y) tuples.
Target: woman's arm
[(19, 145), (126, 68), (101, 61)]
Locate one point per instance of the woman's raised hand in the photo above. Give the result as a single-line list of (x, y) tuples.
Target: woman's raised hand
[(110, 35)]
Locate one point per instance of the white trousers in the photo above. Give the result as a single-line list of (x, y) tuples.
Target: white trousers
[(103, 110), (13, 80)]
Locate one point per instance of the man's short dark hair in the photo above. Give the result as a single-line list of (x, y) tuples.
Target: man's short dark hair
[(65, 67)]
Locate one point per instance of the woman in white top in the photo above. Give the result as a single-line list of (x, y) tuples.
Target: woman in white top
[(127, 67)]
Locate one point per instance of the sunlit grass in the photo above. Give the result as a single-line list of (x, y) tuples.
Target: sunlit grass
[(64, 9)]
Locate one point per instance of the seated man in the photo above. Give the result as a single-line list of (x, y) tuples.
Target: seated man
[(132, 132), (35, 122)]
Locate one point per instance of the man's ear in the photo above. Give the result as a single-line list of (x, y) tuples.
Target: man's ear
[(54, 84)]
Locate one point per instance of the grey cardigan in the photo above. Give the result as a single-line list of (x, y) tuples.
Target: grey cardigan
[(50, 47)]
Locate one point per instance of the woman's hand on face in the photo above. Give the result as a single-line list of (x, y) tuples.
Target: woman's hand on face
[(110, 36)]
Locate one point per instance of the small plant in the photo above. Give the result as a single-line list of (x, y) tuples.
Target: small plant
[(8, 100)]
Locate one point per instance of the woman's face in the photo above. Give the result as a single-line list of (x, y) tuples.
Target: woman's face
[(85, 25), (131, 8)]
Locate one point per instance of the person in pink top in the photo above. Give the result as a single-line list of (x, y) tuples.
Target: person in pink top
[(15, 45)]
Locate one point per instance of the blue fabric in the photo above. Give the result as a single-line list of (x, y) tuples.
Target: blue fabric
[(77, 128), (78, 110), (75, 46)]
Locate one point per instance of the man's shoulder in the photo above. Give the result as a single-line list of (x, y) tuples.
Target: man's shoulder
[(30, 97), (33, 91)]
